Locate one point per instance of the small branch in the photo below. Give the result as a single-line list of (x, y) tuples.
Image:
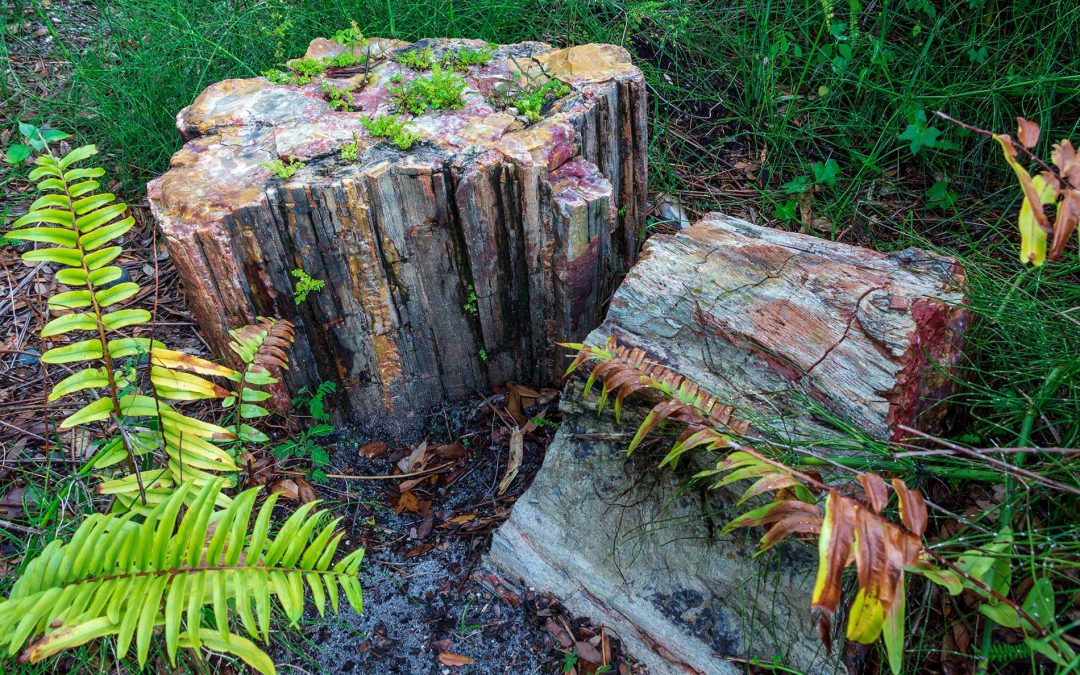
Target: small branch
[(343, 476), (990, 134), (7, 524)]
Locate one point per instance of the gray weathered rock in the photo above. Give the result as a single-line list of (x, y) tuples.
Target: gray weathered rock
[(793, 330), (449, 267)]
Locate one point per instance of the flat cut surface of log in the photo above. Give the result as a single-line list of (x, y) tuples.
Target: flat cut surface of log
[(450, 266), (799, 334)]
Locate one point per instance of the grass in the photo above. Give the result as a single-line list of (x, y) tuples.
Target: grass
[(780, 109)]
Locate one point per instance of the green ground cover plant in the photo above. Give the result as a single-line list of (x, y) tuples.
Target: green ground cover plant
[(441, 90), (389, 127)]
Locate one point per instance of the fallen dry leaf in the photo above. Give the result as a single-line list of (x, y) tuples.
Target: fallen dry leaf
[(416, 459), (451, 451), (451, 659), (517, 444), (373, 449), (460, 520), (296, 489), (407, 501)]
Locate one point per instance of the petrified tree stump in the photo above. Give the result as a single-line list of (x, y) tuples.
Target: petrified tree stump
[(450, 266), (799, 334)]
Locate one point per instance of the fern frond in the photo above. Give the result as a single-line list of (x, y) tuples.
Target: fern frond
[(123, 579)]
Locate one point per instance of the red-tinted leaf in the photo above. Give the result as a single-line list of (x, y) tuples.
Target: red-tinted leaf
[(834, 547), (876, 492), (912, 508), (1027, 132)]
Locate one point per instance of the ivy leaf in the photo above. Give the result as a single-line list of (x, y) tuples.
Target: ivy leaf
[(826, 173), (17, 153), (918, 135), (939, 196), (796, 186), (787, 211)]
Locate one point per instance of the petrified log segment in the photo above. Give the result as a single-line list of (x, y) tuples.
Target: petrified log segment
[(798, 333), (538, 221), (795, 331)]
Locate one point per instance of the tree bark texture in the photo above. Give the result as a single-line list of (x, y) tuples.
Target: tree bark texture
[(449, 267)]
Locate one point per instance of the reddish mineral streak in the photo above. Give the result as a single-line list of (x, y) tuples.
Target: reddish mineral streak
[(537, 221)]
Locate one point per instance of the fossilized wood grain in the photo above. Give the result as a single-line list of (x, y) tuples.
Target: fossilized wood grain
[(541, 220), (797, 331)]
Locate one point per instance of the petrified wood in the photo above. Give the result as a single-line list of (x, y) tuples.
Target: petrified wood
[(450, 266), (800, 334)]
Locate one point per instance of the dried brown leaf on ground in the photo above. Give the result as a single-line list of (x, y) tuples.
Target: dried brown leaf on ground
[(373, 449), (454, 660), (517, 445)]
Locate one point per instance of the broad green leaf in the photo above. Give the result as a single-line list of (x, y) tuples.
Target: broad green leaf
[(255, 395), (893, 630), (114, 294), (59, 201), (102, 257), (74, 276), (70, 300), (1055, 649), (104, 235), (52, 184), (87, 378), (48, 235), (53, 135), (69, 322), (250, 411), (79, 174), (91, 412), (44, 170), (1039, 603), (949, 580), (94, 220), (54, 216), (63, 256), (17, 153), (122, 318), (88, 204), (77, 155), (105, 275), (85, 187), (241, 647), (124, 347), (1001, 614), (250, 434), (83, 350)]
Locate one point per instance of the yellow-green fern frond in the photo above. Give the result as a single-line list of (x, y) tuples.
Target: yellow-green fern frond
[(124, 579)]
